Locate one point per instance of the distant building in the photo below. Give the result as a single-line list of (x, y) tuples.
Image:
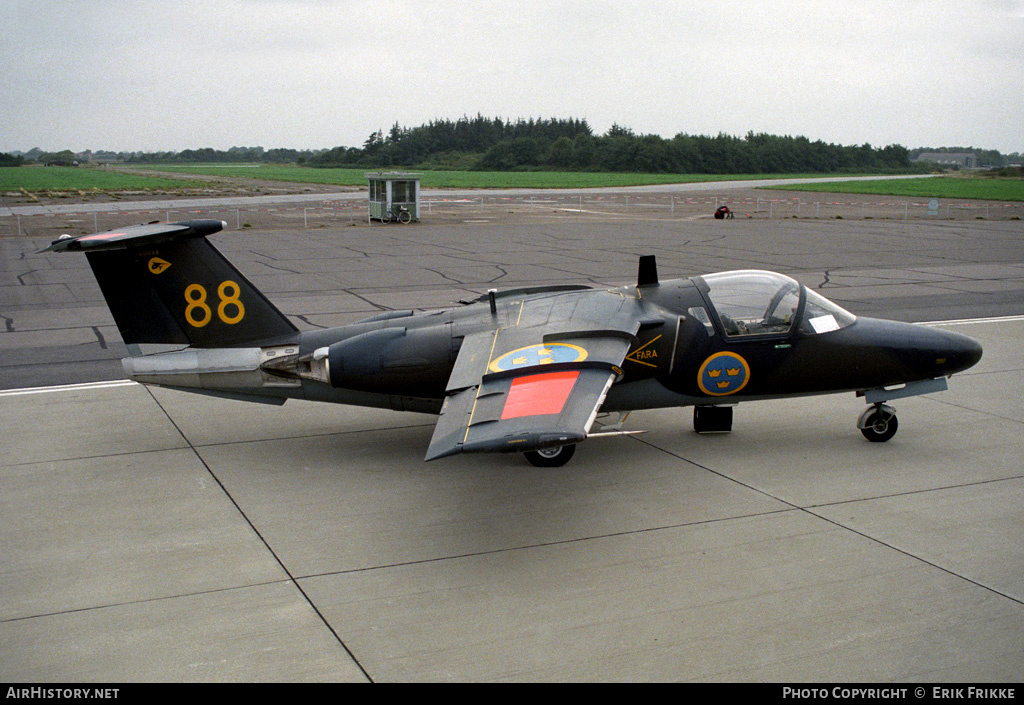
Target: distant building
[(964, 160)]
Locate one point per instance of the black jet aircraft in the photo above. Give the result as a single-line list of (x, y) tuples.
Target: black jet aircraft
[(533, 370)]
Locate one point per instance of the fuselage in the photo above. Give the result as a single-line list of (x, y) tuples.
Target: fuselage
[(716, 339)]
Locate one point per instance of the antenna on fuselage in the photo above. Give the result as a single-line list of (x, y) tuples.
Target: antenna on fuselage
[(648, 272)]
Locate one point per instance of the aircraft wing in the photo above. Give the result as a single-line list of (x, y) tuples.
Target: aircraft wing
[(538, 379)]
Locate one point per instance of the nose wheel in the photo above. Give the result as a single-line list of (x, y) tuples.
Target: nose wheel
[(878, 423)]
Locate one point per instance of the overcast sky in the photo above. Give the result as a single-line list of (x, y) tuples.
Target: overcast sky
[(182, 74)]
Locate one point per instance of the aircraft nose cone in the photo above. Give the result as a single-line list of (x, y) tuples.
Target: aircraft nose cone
[(940, 353), (901, 352), (959, 352)]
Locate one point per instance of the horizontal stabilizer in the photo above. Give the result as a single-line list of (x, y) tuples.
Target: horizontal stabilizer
[(135, 236)]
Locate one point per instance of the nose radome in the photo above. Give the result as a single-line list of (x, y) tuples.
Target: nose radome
[(961, 352), (919, 352)]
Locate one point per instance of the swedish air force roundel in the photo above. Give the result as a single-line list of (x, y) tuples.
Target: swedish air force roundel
[(538, 355), (723, 373)]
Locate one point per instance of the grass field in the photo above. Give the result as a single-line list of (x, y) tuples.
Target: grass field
[(84, 179), (970, 188), (65, 178), (41, 179), (462, 179)]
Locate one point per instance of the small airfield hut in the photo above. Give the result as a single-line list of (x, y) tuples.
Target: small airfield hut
[(394, 195)]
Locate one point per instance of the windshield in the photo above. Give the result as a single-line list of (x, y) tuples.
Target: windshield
[(822, 316)]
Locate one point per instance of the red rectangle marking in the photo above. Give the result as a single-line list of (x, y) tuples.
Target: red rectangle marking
[(535, 395), (101, 236)]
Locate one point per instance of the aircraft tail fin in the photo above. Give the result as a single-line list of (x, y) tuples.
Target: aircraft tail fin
[(165, 283)]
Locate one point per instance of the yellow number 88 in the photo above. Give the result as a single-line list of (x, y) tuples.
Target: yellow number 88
[(228, 292)]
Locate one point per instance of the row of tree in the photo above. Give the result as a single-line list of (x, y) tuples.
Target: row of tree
[(494, 144), (206, 155), (460, 143), (563, 144), (689, 154), (236, 155)]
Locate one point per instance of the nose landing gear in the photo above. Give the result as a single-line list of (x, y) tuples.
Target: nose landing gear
[(878, 423)]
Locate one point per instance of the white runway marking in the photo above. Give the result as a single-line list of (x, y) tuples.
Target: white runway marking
[(67, 388), (968, 321)]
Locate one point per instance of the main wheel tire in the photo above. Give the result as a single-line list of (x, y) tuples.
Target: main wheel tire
[(880, 426), (405, 217), (551, 457), (712, 419)]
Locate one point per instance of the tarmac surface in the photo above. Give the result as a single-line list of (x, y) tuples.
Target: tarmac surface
[(151, 535)]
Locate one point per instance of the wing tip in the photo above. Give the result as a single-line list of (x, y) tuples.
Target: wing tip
[(436, 454)]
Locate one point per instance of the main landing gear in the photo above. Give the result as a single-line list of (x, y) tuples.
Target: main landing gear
[(878, 423), (712, 419), (551, 457)]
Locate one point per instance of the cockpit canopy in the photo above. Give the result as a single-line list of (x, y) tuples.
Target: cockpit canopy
[(758, 303)]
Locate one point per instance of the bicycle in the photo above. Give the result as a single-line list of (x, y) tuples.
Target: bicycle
[(401, 214)]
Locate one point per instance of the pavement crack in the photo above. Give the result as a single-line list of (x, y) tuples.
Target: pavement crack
[(99, 337), (280, 269), (446, 277), (305, 320), (379, 307)]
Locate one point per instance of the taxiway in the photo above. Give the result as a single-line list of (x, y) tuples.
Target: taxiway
[(151, 535)]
